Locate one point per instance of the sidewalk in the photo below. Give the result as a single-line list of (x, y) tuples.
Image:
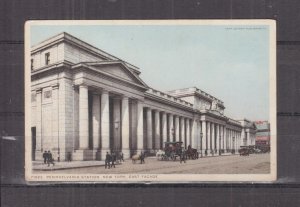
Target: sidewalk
[(39, 165)]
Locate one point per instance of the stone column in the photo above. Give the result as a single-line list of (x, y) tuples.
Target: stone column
[(164, 128), (55, 123), (125, 127), (177, 128), (231, 140), (39, 145), (204, 144), (105, 136), (223, 137), (218, 138), (157, 130), (96, 121), (235, 139), (243, 137), (228, 140), (171, 128), (199, 140), (140, 127), (188, 133), (248, 138), (213, 138), (194, 143), (83, 118), (208, 138), (182, 130), (239, 140), (149, 129)]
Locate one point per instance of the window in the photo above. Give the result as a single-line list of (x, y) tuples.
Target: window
[(47, 58), (31, 64)]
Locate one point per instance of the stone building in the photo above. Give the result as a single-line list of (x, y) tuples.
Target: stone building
[(87, 102), (263, 136)]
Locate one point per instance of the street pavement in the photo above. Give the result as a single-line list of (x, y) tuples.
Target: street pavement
[(231, 164)]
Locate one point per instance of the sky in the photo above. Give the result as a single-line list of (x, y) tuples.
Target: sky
[(228, 62)]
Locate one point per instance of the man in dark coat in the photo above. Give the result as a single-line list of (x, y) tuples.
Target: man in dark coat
[(142, 156), (45, 156), (50, 159), (122, 156), (113, 159), (107, 160)]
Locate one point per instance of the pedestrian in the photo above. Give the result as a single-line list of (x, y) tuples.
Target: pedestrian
[(182, 156), (122, 156), (45, 156), (142, 156), (50, 159), (113, 159), (107, 160)]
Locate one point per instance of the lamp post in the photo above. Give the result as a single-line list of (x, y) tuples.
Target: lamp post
[(201, 137)]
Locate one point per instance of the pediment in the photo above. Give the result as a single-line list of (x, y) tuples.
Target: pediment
[(118, 70)]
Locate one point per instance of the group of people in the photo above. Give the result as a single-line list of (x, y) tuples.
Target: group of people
[(48, 158), (112, 158)]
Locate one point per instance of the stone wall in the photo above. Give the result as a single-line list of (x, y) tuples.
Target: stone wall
[(76, 55), (56, 55)]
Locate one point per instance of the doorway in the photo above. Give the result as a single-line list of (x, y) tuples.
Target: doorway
[(33, 142)]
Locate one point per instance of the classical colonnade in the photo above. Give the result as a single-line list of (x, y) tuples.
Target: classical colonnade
[(153, 127)]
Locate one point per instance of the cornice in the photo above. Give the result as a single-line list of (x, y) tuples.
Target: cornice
[(67, 38), (85, 68), (168, 102)]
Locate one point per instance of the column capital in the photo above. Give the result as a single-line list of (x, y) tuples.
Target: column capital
[(39, 90), (123, 97), (116, 97), (55, 86), (156, 110), (82, 86), (104, 91)]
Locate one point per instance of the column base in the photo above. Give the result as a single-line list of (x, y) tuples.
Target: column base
[(126, 153), (83, 154), (96, 154), (39, 155), (138, 151)]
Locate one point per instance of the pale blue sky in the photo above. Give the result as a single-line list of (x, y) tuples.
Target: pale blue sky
[(229, 62)]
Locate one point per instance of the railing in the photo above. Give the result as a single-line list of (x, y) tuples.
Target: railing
[(169, 97)]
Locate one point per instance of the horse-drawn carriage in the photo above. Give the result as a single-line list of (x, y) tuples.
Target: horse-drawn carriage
[(171, 151), (192, 153), (244, 151)]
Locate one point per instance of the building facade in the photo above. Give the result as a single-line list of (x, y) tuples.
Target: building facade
[(86, 102), (263, 136)]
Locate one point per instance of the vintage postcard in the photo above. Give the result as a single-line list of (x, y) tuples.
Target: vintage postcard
[(164, 101)]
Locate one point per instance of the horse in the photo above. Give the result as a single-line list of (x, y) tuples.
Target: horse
[(160, 154), (192, 153), (140, 157)]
